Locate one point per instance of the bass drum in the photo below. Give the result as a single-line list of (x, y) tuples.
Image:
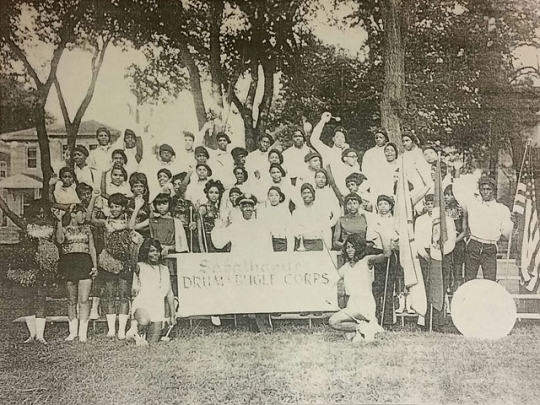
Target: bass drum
[(483, 309)]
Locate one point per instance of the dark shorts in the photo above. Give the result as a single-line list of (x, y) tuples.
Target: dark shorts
[(106, 276), (458, 254), (75, 266), (279, 244), (311, 245)]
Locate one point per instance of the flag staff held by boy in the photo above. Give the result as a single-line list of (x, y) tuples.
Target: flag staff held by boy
[(526, 216)]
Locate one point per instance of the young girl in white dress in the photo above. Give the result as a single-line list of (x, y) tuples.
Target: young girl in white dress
[(358, 319), (151, 286)]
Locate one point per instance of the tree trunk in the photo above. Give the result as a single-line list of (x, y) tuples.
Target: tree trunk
[(72, 131), (43, 142), (393, 101), (216, 18), (268, 94), (195, 85)]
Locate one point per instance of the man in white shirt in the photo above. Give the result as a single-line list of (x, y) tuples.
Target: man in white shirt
[(249, 238), (488, 220), (246, 234), (221, 154), (347, 166), (132, 146), (331, 155), (293, 157), (257, 161), (313, 162), (83, 171), (186, 159), (100, 158), (374, 156), (239, 156)]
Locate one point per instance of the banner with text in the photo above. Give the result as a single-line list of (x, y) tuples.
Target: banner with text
[(225, 283)]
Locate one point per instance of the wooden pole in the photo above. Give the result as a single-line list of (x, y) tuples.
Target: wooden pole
[(431, 317), (385, 289), (191, 230), (527, 147)]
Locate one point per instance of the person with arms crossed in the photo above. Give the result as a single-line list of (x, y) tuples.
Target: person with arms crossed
[(488, 220)]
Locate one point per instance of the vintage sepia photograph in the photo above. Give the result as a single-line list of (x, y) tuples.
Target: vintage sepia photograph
[(269, 202)]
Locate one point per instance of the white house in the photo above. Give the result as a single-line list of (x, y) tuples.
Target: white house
[(20, 166)]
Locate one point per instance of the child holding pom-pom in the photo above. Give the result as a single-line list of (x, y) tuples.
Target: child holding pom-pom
[(114, 260)]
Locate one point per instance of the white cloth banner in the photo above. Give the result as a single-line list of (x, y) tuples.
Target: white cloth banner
[(225, 283)]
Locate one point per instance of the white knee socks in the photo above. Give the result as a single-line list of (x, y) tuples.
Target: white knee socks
[(40, 329), (31, 325), (94, 314), (73, 327), (122, 323), (111, 323), (83, 331)]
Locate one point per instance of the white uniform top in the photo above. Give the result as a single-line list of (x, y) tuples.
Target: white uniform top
[(277, 219), (293, 160), (88, 175), (488, 220), (195, 191), (257, 161), (371, 161), (383, 182), (100, 158), (248, 237), (66, 195), (153, 283)]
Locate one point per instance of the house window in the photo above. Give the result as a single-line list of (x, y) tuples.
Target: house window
[(3, 169), (64, 150), (31, 157), (3, 219)]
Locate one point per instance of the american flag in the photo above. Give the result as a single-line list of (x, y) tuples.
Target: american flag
[(529, 228)]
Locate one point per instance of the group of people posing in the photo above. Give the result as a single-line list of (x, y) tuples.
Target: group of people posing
[(121, 208)]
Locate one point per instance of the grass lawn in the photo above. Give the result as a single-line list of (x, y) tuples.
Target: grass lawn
[(294, 364)]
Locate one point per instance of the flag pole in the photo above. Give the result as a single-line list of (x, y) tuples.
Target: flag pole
[(385, 289), (520, 174), (191, 230), (328, 252)]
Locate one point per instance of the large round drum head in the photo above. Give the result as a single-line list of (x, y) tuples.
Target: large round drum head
[(483, 309)]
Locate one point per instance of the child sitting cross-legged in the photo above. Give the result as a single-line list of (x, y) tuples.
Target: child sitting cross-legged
[(151, 286)]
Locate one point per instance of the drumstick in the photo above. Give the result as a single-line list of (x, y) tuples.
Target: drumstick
[(166, 338), (191, 230)]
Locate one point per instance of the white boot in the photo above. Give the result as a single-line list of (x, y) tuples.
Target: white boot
[(111, 323), (122, 323), (83, 331), (447, 304), (73, 327), (94, 314), (133, 331), (358, 337), (31, 325), (140, 340), (408, 305), (40, 330), (401, 301)]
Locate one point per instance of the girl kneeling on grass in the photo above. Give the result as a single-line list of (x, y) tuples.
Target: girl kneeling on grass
[(151, 285), (358, 319), (78, 265)]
